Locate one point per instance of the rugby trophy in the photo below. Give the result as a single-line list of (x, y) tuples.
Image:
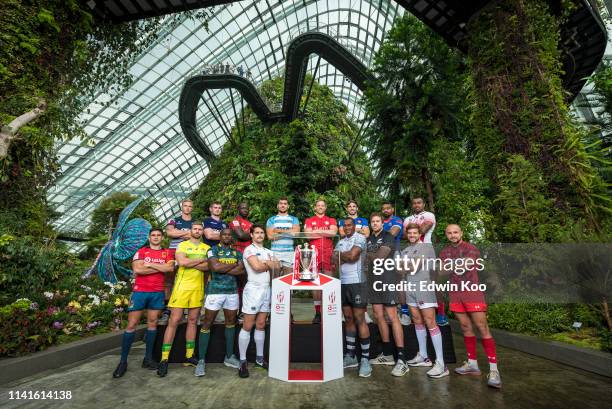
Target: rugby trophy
[(305, 264)]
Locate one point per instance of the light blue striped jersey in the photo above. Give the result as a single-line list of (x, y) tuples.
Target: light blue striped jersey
[(283, 248)]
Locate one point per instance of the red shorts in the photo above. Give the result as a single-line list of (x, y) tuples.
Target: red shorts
[(466, 301), (468, 307)]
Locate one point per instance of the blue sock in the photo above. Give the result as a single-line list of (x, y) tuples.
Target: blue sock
[(150, 340), (405, 309), (126, 344)]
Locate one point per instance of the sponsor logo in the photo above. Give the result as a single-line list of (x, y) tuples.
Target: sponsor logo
[(279, 307), (332, 308), (358, 299), (147, 259)]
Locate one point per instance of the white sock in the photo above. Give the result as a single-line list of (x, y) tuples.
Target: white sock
[(260, 339), (421, 335), (473, 363), (493, 366), (436, 340), (244, 337)]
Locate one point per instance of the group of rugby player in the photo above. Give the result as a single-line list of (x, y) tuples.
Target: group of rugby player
[(213, 255)]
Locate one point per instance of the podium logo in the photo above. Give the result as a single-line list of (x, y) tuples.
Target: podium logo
[(332, 308), (279, 308)]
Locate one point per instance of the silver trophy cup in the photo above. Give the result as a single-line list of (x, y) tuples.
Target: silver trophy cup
[(306, 261)]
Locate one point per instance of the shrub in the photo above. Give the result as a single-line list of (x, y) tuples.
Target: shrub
[(606, 340), (24, 328), (537, 319)]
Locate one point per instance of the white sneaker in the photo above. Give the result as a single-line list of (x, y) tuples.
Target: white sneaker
[(418, 360), (405, 319), (494, 380), (467, 369), (400, 368), (368, 320), (439, 370), (383, 360)]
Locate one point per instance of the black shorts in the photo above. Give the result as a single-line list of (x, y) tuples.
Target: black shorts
[(355, 295), (376, 295)]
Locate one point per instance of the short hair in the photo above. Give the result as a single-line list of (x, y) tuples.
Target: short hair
[(352, 201), (376, 214), (411, 226), (156, 229), (197, 223), (257, 226), (283, 198), (387, 202), (418, 197), (349, 218), (186, 200), (320, 200), (216, 202)]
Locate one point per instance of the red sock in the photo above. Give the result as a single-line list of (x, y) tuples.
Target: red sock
[(441, 310), (318, 308), (470, 346), (489, 346)]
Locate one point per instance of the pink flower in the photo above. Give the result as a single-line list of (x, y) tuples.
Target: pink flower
[(58, 325)]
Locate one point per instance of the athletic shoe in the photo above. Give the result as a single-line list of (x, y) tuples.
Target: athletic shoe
[(494, 380), (441, 320), (120, 371), (243, 371), (261, 364), (400, 368), (350, 361), (191, 361), (149, 363), (438, 371), (232, 362), (317, 318), (365, 369), (418, 360), (162, 369), (163, 319), (405, 320), (368, 320), (467, 369), (383, 360), (200, 368)]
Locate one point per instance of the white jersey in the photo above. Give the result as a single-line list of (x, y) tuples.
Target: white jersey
[(262, 254), (419, 219), (352, 273)]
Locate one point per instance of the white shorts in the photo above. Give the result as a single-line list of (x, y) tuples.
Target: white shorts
[(255, 299), (215, 302)]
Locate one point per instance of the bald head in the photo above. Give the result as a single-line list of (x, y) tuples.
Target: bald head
[(453, 233)]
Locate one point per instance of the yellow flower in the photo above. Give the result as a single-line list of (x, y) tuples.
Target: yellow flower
[(118, 302), (74, 304)]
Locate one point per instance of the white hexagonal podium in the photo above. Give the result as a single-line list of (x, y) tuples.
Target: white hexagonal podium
[(331, 330)]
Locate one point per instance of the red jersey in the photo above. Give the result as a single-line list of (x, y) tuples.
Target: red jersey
[(321, 223), (464, 250), (246, 226), (151, 282)]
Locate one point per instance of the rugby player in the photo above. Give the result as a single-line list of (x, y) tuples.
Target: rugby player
[(256, 298), (150, 264), (188, 293), (279, 229), (380, 246), (422, 303), (241, 226), (224, 264), (395, 225), (178, 229), (361, 223), (213, 225), (469, 306), (324, 227), (427, 225), (350, 251)]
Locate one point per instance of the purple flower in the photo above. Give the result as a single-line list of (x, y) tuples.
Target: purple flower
[(58, 325), (92, 325), (118, 310), (52, 310)]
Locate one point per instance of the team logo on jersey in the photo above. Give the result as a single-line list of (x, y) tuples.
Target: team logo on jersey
[(358, 299), (147, 259), (326, 222)]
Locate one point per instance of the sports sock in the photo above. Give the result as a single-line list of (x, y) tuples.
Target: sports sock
[(436, 340), (441, 310), (317, 306), (489, 346), (400, 353), (150, 343), (470, 348), (387, 348), (365, 348), (350, 343), (244, 337), (203, 343), (189, 347), (126, 344), (421, 335), (166, 351), (260, 339), (230, 333), (404, 309)]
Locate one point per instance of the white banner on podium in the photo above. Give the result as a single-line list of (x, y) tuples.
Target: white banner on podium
[(331, 330)]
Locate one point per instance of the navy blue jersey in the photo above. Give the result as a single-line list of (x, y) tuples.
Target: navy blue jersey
[(217, 225)]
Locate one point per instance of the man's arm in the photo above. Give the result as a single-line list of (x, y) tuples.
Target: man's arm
[(424, 228), (382, 252), (167, 267), (395, 230), (351, 256), (365, 231), (175, 233), (240, 233), (237, 269), (218, 267), (139, 267), (212, 234), (184, 261)]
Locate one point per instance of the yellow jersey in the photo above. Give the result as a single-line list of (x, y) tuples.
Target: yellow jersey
[(188, 278)]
